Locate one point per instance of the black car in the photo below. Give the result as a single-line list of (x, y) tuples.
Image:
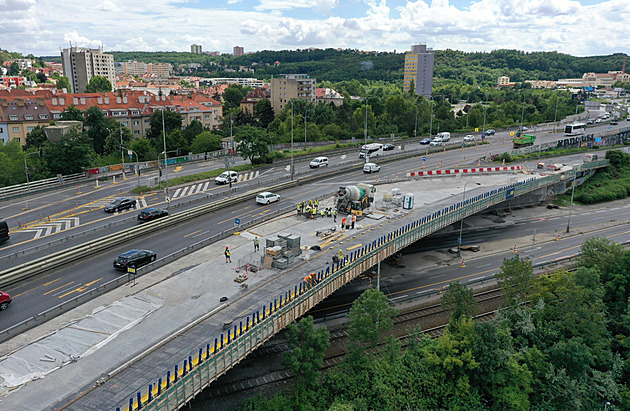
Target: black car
[(387, 147), (151, 213), (490, 132), (134, 259), (119, 204), (425, 141), (614, 122)]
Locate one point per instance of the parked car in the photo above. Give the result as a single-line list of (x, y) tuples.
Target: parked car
[(226, 176), (490, 132), (436, 142), (134, 259), (371, 168), (628, 118), (388, 147), (590, 121), (119, 204), (318, 162), (4, 231), (614, 122), (266, 197), (469, 137), (425, 141), (152, 213), (598, 120), (5, 300), (523, 128)]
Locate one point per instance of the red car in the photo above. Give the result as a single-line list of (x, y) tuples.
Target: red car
[(5, 300)]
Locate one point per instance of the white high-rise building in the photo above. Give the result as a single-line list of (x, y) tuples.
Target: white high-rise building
[(81, 64)]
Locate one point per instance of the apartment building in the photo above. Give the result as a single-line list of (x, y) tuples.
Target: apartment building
[(81, 64), (418, 70), (21, 116), (292, 86), (249, 101), (239, 51), (139, 69), (196, 49)]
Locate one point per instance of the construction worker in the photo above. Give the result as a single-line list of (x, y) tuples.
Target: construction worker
[(228, 255), (299, 208), (307, 210), (316, 203), (256, 244), (334, 213), (340, 254), (354, 220), (310, 203), (322, 213), (314, 215), (343, 223)]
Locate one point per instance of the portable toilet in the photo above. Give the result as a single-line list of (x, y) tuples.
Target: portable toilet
[(408, 201)]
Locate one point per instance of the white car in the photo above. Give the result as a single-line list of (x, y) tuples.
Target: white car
[(226, 176), (267, 197), (469, 137), (436, 142), (318, 162), (371, 168)]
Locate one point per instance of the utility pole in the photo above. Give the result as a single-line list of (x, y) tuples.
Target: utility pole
[(168, 200), (122, 152)]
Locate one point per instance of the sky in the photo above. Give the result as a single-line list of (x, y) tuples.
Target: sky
[(576, 27)]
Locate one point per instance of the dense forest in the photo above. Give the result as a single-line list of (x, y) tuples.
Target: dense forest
[(560, 342), (473, 68)]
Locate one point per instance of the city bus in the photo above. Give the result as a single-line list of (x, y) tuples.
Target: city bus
[(574, 129)]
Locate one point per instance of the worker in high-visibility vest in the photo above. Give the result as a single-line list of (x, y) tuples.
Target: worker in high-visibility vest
[(314, 215), (299, 208), (340, 253)]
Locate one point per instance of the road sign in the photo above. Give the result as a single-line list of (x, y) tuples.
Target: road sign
[(227, 163), (483, 135), (476, 129), (237, 221), (459, 240), (424, 158)]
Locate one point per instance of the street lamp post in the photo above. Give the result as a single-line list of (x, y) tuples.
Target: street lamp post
[(168, 200), (28, 184), (485, 109), (431, 118), (555, 116), (292, 170), (461, 223), (415, 129), (571, 204), (122, 152)]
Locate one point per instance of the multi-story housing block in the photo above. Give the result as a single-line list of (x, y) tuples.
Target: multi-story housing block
[(292, 86), (21, 116), (418, 70), (238, 50), (196, 49), (81, 64), (249, 101)]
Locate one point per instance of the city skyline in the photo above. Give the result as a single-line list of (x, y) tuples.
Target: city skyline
[(579, 28)]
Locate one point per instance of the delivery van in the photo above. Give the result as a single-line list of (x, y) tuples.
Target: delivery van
[(4, 231)]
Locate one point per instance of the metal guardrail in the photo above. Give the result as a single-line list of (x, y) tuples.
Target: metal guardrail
[(39, 185), (183, 384)]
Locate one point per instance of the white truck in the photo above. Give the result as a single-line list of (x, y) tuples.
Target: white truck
[(444, 135)]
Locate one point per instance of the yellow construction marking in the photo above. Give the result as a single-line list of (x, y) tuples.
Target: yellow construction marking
[(80, 289), (55, 289), (245, 311), (33, 289), (178, 168), (194, 232), (354, 246)]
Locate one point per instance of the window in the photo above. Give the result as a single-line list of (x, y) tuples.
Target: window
[(56, 115), (136, 132), (28, 117), (43, 116), (13, 117), (136, 123), (29, 129), (16, 129), (125, 123)]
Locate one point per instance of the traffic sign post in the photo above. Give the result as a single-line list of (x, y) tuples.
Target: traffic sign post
[(237, 222), (131, 275)]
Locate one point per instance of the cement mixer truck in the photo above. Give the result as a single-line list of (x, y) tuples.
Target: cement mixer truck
[(355, 199)]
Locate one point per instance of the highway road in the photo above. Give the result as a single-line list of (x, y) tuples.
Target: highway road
[(56, 287)]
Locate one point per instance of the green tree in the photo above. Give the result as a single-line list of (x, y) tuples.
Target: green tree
[(206, 141), (192, 130), (41, 77), (71, 154), (144, 149), (515, 278), (460, 300), (72, 113), (96, 125), (307, 346), (112, 139), (600, 253), (98, 84), (264, 113), (252, 143), (369, 317), (64, 83), (12, 163), (14, 69), (172, 121), (232, 96), (36, 138)]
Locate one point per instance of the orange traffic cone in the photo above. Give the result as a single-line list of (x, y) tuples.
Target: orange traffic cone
[(514, 251), (463, 265)]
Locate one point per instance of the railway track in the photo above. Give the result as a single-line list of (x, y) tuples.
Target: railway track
[(262, 371)]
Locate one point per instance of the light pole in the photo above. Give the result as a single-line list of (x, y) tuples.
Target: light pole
[(485, 109), (415, 129), (122, 152), (168, 200), (571, 204), (431, 118), (304, 121), (461, 222), (555, 116), (28, 184), (292, 171), (365, 127)]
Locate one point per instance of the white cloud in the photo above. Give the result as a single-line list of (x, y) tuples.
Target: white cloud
[(41, 27)]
